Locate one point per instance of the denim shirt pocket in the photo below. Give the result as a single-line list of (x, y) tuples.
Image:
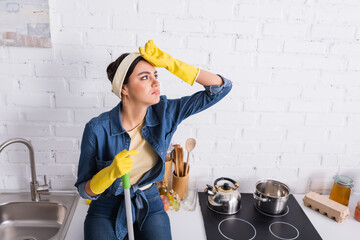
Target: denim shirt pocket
[(101, 164)]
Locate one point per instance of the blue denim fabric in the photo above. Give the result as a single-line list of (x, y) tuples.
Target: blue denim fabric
[(104, 137), (101, 218)]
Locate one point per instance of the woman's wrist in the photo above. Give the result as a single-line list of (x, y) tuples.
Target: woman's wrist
[(88, 189), (206, 78)]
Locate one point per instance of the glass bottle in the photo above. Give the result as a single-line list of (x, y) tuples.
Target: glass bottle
[(176, 203), (171, 197), (357, 212), (341, 189), (163, 188)]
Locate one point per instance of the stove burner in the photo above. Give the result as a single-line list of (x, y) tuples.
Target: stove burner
[(284, 231), (236, 229), (283, 213)]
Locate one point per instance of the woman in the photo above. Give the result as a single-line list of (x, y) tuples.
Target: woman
[(133, 138)]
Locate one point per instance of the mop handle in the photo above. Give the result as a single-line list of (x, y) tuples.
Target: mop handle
[(126, 181), (126, 186)]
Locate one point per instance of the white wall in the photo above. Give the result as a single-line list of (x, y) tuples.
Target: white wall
[(293, 113)]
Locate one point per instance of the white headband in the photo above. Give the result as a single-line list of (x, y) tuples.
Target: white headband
[(121, 73)]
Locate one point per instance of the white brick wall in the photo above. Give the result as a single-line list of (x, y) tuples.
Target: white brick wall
[(293, 113)]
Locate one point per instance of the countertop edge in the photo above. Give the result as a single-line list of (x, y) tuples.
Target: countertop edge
[(326, 227)]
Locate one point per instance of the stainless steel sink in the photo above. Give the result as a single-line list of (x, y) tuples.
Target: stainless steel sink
[(23, 219)]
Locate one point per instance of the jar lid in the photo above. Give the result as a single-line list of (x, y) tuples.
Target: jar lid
[(344, 180)]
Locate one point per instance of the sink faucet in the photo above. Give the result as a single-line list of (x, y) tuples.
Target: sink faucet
[(35, 188)]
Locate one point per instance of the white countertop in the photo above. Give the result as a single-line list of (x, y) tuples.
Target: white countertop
[(190, 225)]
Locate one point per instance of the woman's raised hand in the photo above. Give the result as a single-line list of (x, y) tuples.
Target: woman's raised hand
[(155, 56), (159, 58)]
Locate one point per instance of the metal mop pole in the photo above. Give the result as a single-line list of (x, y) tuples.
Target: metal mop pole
[(126, 186)]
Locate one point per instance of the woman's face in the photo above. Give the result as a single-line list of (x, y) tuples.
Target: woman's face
[(143, 86)]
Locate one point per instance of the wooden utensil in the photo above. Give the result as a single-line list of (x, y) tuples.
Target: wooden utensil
[(168, 166), (175, 159), (181, 161), (177, 168), (189, 145)]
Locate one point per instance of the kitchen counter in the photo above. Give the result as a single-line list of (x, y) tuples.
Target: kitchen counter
[(189, 225)]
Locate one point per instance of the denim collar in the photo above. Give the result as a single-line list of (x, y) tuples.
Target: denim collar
[(116, 127)]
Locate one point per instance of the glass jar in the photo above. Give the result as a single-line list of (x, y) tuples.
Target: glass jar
[(341, 189)]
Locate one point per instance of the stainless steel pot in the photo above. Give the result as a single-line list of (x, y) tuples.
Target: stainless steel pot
[(224, 199), (271, 196)]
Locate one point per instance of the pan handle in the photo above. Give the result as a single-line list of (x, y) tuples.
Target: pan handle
[(260, 198)]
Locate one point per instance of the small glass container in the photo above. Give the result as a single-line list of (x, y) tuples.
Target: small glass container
[(341, 189), (176, 203), (189, 203), (357, 212)]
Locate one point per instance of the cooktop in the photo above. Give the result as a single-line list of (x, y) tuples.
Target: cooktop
[(250, 223)]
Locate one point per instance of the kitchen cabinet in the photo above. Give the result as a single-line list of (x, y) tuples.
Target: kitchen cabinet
[(190, 225)]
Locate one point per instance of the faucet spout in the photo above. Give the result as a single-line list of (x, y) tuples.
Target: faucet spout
[(34, 185)]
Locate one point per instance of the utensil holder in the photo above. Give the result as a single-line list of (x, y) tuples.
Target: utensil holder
[(181, 185)]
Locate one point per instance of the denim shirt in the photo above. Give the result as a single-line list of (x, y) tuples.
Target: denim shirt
[(104, 136)]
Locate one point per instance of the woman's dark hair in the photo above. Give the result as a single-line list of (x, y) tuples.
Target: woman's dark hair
[(111, 69)]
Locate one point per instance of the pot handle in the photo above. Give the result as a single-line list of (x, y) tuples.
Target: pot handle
[(260, 198)]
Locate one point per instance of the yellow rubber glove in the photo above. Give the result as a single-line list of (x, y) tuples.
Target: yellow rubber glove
[(121, 165), (158, 58)]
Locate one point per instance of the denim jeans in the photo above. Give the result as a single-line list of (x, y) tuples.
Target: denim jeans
[(100, 224)]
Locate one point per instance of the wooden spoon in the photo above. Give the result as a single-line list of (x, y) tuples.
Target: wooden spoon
[(189, 145)]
